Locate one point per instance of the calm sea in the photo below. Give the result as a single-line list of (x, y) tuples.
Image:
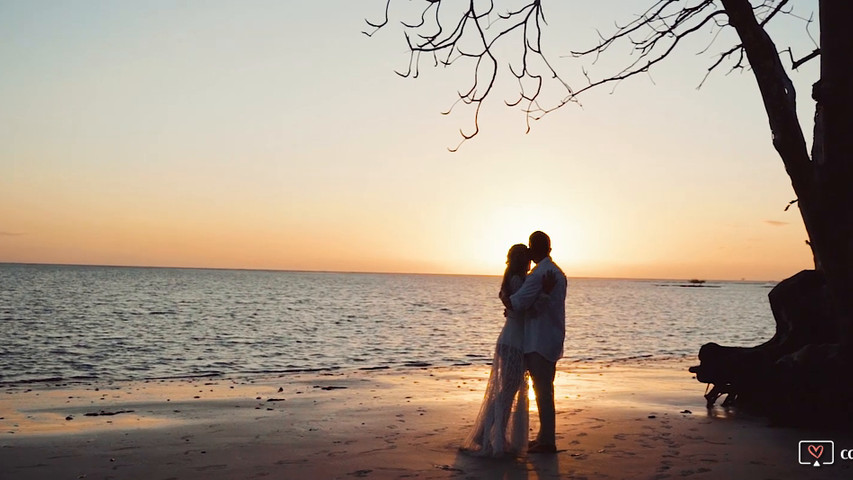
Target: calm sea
[(115, 323)]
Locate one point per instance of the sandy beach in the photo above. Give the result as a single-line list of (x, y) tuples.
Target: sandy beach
[(621, 421)]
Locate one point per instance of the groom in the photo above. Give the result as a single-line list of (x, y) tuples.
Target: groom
[(544, 332)]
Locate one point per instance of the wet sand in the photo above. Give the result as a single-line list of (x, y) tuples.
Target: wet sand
[(613, 422)]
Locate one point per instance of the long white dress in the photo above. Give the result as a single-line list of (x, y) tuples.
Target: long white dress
[(501, 427)]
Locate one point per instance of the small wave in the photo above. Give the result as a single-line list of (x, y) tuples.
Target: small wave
[(187, 375), (630, 358), (417, 364), (33, 381), (293, 370)]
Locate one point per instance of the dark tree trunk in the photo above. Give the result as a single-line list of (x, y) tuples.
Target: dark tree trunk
[(803, 373), (833, 156)]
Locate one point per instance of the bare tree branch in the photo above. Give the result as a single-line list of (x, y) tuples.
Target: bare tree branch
[(377, 26), (665, 27), (450, 31), (475, 32), (795, 64)]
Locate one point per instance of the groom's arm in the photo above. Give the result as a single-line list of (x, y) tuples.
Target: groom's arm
[(527, 294)]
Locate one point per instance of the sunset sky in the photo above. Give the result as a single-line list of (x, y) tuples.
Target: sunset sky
[(275, 135)]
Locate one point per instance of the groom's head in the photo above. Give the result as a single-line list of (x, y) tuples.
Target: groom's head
[(540, 246)]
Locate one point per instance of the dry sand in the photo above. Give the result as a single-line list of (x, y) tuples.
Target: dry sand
[(623, 421)]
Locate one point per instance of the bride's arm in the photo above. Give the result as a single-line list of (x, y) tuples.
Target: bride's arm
[(543, 301), (549, 281)]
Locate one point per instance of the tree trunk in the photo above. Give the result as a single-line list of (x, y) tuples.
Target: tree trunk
[(833, 156), (803, 374)]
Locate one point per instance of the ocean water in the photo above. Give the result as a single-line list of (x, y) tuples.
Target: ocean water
[(65, 323)]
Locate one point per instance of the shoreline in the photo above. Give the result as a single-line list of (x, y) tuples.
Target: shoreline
[(401, 368), (618, 421)]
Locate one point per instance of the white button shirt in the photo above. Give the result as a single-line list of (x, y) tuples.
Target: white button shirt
[(545, 325)]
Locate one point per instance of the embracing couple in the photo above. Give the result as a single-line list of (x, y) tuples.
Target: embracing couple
[(530, 343)]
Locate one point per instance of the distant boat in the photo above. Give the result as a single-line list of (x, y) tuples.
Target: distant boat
[(693, 282)]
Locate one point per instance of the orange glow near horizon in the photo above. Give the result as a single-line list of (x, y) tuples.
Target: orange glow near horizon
[(61, 227), (578, 247)]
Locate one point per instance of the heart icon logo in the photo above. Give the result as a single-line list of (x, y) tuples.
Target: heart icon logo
[(816, 451)]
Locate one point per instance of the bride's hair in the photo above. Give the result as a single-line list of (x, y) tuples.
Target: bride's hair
[(517, 262)]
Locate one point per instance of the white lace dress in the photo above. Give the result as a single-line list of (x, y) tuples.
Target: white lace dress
[(501, 427)]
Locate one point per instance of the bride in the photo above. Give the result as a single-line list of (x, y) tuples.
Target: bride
[(502, 424)]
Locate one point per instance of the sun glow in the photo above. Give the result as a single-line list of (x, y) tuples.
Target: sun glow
[(503, 227)]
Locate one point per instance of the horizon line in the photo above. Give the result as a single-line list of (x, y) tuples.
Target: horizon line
[(283, 270)]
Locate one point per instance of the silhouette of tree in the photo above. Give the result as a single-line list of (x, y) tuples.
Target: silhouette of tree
[(804, 367)]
